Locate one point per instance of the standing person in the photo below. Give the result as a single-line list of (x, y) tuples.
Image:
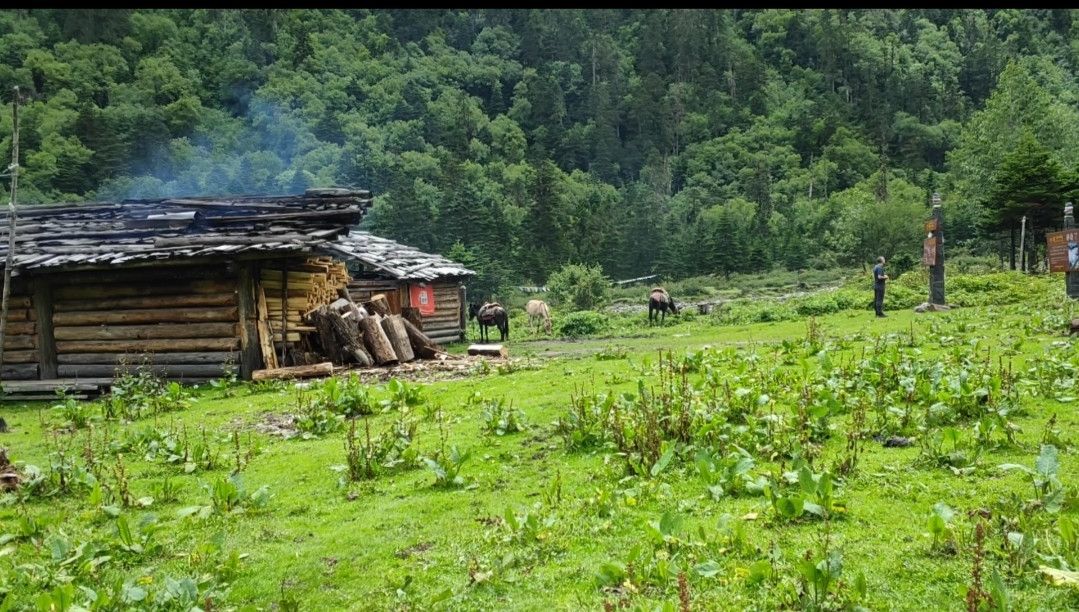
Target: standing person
[(879, 277)]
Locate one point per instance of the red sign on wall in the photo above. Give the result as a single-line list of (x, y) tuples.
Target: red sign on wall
[(423, 297)]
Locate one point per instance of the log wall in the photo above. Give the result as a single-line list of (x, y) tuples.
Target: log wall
[(445, 325), (183, 321), (22, 359)]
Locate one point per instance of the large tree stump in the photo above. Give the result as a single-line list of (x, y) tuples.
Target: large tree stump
[(394, 327), (305, 371), (331, 347), (340, 339), (422, 346), (374, 338)]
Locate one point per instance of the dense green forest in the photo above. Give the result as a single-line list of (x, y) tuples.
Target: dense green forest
[(680, 142)]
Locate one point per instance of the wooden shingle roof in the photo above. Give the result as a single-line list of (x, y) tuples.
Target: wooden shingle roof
[(103, 234), (395, 259)]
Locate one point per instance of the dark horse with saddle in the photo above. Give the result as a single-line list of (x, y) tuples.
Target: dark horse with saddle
[(490, 314), (659, 302)]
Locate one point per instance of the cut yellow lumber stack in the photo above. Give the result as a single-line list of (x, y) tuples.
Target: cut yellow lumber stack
[(308, 285)]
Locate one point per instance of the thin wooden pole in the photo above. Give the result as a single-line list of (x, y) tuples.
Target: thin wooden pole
[(1022, 246), (284, 310), (11, 218)]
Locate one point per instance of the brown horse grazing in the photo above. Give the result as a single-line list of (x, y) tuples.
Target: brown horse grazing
[(538, 313), (488, 315), (659, 302)]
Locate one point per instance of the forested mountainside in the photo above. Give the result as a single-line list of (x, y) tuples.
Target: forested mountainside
[(679, 142)]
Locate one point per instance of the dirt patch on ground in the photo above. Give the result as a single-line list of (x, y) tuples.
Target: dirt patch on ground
[(405, 553), (280, 424)]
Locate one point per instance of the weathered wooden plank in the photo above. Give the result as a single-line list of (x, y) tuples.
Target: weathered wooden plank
[(490, 350), (250, 348), (148, 332), (42, 386), (269, 357), (181, 345), (160, 301), (155, 315), (305, 371), (168, 371), (82, 292), (201, 240), (46, 342), (133, 359)]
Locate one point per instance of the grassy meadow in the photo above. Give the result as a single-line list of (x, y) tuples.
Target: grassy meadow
[(797, 454)]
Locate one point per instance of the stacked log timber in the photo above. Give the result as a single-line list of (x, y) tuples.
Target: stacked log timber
[(289, 291), (181, 322), (22, 357)]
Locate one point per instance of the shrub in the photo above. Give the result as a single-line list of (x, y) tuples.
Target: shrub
[(580, 287), (583, 323)]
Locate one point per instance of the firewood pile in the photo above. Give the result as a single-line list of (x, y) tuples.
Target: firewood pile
[(290, 293), (345, 334)]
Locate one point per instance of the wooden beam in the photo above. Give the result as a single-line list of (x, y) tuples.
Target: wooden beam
[(184, 345), (171, 273), (148, 332), (46, 341), (250, 348), (156, 315), (305, 371), (159, 301), (83, 292)]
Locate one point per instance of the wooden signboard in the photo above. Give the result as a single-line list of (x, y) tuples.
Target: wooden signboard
[(929, 252), (932, 225), (1063, 249)]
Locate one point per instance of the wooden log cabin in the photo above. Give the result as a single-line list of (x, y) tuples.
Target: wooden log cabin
[(409, 278), (188, 287)]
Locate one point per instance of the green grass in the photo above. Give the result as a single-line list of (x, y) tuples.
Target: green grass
[(399, 543)]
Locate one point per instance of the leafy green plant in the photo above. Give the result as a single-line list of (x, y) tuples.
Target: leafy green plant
[(228, 496), (583, 323), (580, 287), (404, 397), (347, 397), (1048, 490), (446, 466), (499, 417), (940, 528)]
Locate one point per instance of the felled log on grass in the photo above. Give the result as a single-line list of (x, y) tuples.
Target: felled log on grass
[(488, 350), (304, 371)]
